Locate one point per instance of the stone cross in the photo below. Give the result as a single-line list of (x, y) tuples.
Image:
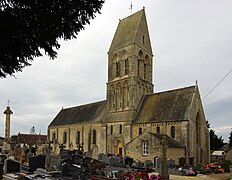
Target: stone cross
[(61, 148), (164, 165)]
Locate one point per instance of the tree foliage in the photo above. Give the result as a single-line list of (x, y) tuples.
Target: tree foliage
[(230, 140), (216, 142), (29, 26)]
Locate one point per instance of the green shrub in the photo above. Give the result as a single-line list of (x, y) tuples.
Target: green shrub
[(226, 165)]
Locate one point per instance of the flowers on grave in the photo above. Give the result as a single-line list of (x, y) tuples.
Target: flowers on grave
[(128, 174), (153, 177), (137, 175), (128, 177), (190, 172)]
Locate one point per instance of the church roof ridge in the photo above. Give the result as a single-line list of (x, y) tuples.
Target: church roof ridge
[(171, 90), (82, 105)]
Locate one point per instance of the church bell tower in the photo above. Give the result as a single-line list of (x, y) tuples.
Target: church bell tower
[(129, 64)]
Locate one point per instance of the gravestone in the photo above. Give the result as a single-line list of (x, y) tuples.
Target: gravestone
[(171, 163), (114, 161), (96, 167), (12, 166), (182, 161), (55, 162), (37, 162), (100, 156), (105, 158), (157, 162), (148, 163), (128, 161)]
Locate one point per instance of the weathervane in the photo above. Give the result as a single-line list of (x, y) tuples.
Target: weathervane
[(8, 102), (131, 7)]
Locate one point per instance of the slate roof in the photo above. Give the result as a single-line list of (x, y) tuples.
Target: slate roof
[(171, 142), (93, 112), (128, 30), (173, 105)]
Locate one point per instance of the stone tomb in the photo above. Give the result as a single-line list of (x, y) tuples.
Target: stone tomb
[(37, 162), (148, 163), (12, 166), (128, 161), (34, 163)]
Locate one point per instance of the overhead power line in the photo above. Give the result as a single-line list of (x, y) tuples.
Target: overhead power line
[(217, 84)]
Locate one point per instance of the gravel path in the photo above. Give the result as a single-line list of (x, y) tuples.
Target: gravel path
[(224, 176)]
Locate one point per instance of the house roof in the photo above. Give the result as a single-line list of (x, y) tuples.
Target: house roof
[(31, 138), (128, 32), (218, 153), (171, 142), (93, 112), (173, 105)]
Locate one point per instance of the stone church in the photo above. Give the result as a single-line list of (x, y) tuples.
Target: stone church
[(133, 119)]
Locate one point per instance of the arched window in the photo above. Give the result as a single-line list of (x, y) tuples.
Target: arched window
[(145, 70), (158, 130), (117, 69), (120, 129), (140, 130), (138, 67), (128, 96), (53, 136), (173, 133), (118, 96), (78, 137), (112, 97), (65, 137), (126, 66), (94, 136), (111, 129)]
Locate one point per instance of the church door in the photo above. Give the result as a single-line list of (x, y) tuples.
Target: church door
[(120, 151), (118, 146)]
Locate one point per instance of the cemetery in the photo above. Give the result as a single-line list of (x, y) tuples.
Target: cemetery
[(27, 163)]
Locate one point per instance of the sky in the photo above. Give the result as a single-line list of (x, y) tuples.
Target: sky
[(191, 41)]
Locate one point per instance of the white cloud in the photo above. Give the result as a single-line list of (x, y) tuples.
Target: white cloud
[(191, 41)]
